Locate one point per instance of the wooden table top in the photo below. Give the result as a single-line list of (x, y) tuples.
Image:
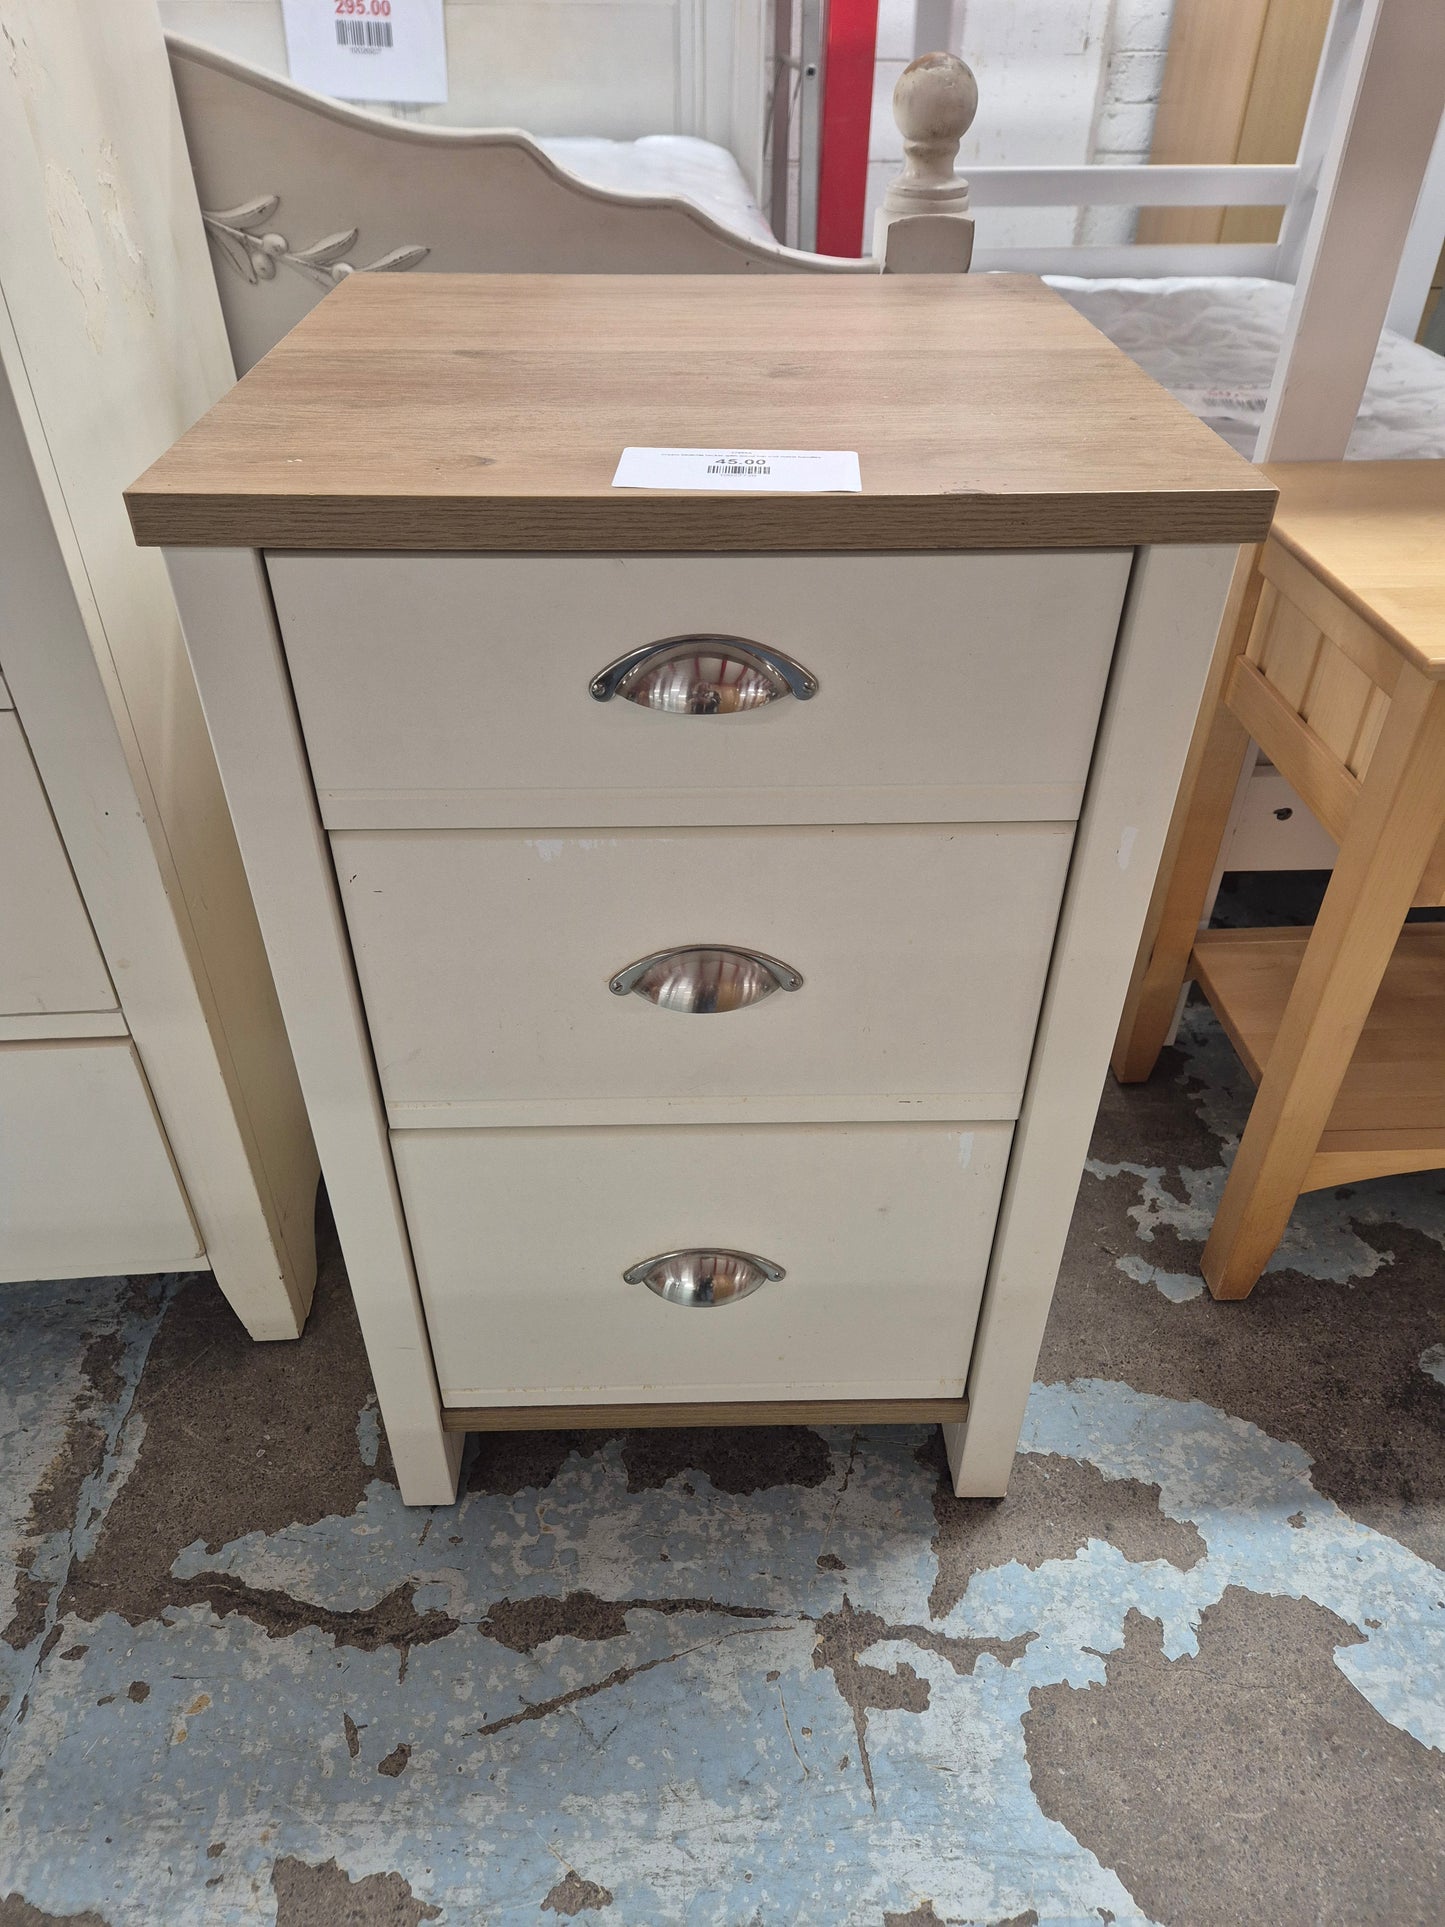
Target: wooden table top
[(486, 412), (1374, 532)]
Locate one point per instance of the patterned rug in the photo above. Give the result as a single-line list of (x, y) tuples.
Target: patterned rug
[(1192, 1670)]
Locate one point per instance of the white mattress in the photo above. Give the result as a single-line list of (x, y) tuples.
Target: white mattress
[(677, 164), (1213, 341)]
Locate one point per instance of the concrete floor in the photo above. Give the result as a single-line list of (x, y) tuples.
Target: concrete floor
[(1192, 1670)]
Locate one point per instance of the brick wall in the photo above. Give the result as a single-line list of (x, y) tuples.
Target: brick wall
[(1061, 82), (1133, 74)]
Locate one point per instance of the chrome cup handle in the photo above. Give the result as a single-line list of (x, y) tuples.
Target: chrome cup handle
[(703, 675), (704, 1277), (703, 978)]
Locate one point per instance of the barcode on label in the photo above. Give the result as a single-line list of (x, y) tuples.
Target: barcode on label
[(739, 468), (363, 33)]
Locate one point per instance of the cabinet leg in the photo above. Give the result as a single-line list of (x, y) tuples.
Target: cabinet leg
[(428, 1461), (1196, 831), (953, 1438), (978, 1467), (1397, 821)]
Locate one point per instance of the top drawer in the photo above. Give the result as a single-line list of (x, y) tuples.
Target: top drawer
[(456, 691)]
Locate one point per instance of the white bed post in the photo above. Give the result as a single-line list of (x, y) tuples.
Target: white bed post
[(1392, 93), (1422, 249), (1327, 103), (924, 225)]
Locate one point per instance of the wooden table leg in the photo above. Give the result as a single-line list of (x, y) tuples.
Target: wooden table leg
[(1196, 831), (1396, 824)]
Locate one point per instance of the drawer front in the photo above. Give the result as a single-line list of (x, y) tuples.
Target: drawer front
[(87, 1186), (49, 960), (522, 1239), (456, 690), (486, 959)]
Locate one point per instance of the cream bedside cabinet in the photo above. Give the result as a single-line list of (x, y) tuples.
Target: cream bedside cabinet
[(701, 920)]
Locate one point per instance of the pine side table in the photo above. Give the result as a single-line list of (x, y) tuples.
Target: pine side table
[(1334, 664), (701, 919)]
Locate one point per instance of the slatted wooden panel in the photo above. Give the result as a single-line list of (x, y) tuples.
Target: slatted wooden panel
[(1377, 705), (1320, 697), (1285, 646), (1336, 702)]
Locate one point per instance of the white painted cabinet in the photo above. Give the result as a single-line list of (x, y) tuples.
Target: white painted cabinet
[(701, 920), (150, 1116)]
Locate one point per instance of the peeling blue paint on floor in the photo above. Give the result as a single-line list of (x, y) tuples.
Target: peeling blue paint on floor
[(1177, 1286), (1251, 1500), (70, 1357), (648, 1681), (725, 1780)]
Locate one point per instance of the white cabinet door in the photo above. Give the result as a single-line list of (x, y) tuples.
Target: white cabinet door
[(49, 960), (87, 1186)]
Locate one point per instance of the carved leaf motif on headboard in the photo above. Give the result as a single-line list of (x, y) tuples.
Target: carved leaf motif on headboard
[(242, 238)]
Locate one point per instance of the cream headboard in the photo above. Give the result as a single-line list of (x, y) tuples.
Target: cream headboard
[(298, 191), (619, 68)]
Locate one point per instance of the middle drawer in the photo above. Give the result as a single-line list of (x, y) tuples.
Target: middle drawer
[(487, 958)]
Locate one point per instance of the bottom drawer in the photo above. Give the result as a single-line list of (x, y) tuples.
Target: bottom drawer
[(522, 1238), (87, 1186)]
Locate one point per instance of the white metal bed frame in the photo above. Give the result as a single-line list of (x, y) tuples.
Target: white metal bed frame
[(1363, 223)]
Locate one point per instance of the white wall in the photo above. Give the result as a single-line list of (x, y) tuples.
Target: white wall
[(1128, 97), (1061, 83)]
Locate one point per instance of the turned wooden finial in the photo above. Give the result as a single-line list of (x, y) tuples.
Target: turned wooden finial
[(933, 105)]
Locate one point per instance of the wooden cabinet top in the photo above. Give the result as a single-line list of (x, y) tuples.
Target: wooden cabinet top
[(1374, 532), (488, 412)]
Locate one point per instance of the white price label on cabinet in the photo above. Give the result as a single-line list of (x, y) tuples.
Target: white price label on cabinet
[(785, 471), (392, 50)]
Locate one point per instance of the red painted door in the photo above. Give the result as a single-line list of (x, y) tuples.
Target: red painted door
[(849, 44)]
